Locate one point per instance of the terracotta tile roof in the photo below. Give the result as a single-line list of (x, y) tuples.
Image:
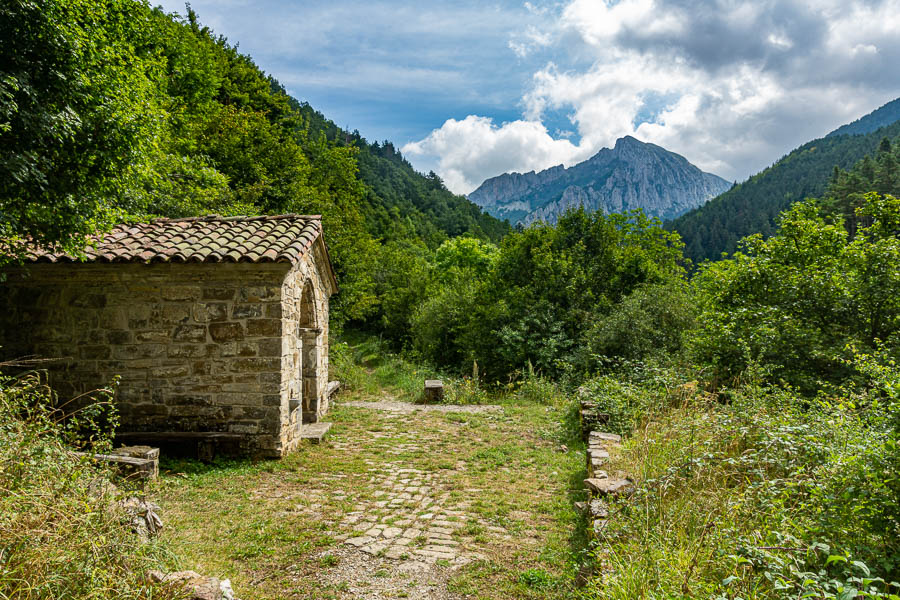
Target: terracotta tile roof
[(273, 238)]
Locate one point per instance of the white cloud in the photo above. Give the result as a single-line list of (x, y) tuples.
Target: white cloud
[(599, 22), (730, 84), (526, 43), (475, 148)]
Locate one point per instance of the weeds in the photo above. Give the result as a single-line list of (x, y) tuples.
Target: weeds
[(61, 535), (767, 495)]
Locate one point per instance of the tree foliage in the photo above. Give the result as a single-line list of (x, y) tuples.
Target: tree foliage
[(535, 299), (113, 109), (754, 205), (78, 111), (796, 302)]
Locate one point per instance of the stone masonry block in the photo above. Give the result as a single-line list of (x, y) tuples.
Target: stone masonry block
[(171, 371), (190, 333), (210, 313), (226, 332), (181, 292), (94, 352), (218, 293), (229, 349), (89, 301), (138, 351), (263, 327), (270, 346), (266, 293), (173, 314), (247, 311), (152, 336), (255, 365), (186, 351), (179, 335)]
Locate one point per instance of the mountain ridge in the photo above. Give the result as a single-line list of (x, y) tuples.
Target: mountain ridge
[(754, 205), (631, 175), (882, 116)]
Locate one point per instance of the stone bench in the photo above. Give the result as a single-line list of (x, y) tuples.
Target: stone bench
[(434, 391), (202, 445)]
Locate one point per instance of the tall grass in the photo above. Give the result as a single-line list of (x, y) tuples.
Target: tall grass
[(367, 367), (757, 494), (61, 533)]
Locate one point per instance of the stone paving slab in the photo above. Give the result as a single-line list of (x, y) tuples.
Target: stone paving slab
[(410, 517), (408, 407)]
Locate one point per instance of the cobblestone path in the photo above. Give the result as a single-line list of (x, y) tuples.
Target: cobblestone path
[(399, 501), (414, 518)]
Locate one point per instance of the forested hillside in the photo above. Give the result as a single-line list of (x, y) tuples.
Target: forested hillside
[(398, 196), (754, 205), (875, 120), (113, 110)]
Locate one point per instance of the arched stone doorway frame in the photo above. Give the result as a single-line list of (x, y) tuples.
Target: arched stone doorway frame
[(309, 337)]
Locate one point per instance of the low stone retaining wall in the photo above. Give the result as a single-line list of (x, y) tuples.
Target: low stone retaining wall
[(604, 490)]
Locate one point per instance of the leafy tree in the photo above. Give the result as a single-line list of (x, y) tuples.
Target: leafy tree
[(793, 303), (464, 257), (536, 299), (77, 110), (113, 110), (652, 321)]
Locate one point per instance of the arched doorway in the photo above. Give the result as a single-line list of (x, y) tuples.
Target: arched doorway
[(309, 334)]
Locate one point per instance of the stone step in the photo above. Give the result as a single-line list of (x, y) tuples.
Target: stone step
[(314, 432), (610, 487), (332, 388)]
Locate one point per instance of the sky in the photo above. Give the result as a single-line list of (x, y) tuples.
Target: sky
[(471, 89)]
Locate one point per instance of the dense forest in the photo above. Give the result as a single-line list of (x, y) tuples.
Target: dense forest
[(761, 392), (754, 205), (115, 110)]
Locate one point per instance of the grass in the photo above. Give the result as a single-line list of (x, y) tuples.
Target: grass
[(365, 365), (749, 498), (62, 535), (372, 372), (505, 472)]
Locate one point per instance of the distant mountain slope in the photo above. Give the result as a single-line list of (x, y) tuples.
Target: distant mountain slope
[(875, 120), (631, 175), (399, 199), (754, 205)]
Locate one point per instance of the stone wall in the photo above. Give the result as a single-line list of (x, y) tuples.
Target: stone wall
[(198, 347), (305, 293)]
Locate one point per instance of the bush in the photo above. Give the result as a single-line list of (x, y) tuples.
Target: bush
[(765, 495), (652, 321), (533, 388), (794, 302), (61, 535), (633, 392)]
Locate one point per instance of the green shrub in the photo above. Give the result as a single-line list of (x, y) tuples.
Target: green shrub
[(652, 321), (635, 392), (794, 302), (536, 389), (765, 495), (466, 390), (61, 535), (536, 579)]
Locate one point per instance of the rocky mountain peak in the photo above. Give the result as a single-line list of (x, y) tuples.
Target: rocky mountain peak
[(633, 174)]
